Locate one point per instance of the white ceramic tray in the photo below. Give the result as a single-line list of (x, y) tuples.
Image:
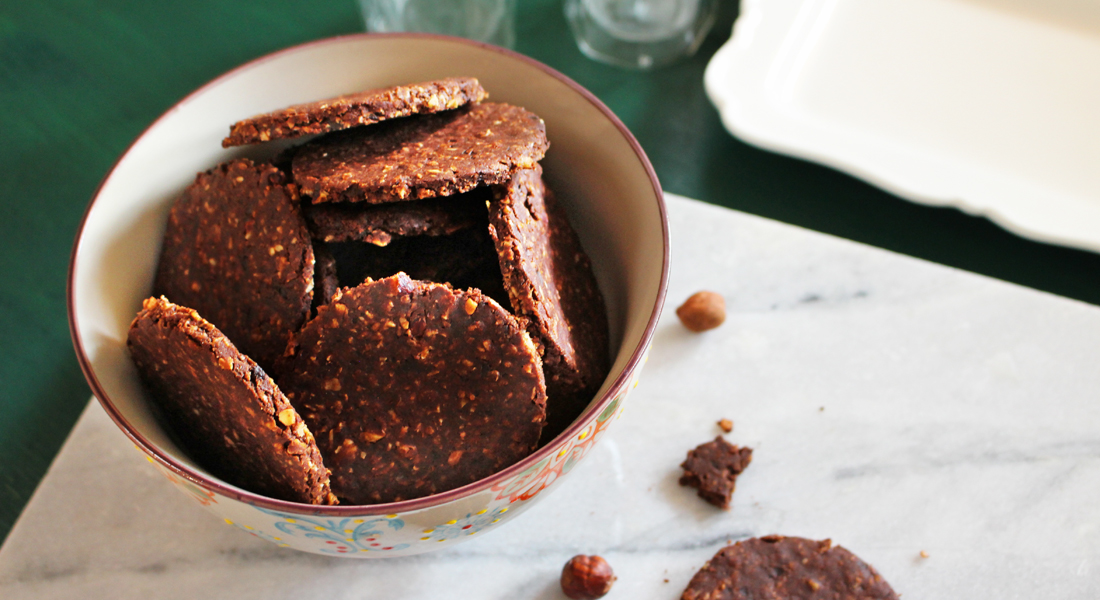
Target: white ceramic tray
[(991, 106)]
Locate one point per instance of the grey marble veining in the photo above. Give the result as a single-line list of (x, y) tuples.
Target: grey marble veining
[(894, 406)]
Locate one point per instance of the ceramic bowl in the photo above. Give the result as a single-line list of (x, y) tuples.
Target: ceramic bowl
[(598, 169)]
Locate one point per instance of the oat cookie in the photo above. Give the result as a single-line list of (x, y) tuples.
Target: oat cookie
[(550, 283), (422, 157), (226, 412), (351, 110), (236, 249), (787, 567), (414, 388), (380, 224), (713, 467)]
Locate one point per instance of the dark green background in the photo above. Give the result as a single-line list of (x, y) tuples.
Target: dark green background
[(80, 79)]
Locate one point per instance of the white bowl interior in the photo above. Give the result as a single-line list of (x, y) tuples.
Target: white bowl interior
[(591, 165)]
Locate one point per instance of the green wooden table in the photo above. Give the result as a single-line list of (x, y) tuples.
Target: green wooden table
[(80, 79)]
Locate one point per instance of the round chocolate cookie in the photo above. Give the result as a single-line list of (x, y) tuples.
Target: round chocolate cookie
[(787, 568), (550, 283), (421, 157), (237, 250), (227, 414), (351, 110), (380, 224), (414, 388)]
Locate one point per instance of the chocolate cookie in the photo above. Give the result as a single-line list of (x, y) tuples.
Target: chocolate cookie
[(550, 283), (237, 250), (362, 108), (414, 388), (713, 467), (422, 157), (777, 567), (227, 414), (379, 224)]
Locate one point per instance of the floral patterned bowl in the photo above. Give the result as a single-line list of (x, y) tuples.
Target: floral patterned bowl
[(602, 178)]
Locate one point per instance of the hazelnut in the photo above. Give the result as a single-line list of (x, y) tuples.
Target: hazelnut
[(586, 577), (702, 311)]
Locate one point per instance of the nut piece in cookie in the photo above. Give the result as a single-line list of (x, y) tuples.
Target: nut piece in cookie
[(421, 157), (236, 249), (414, 388), (713, 467), (379, 224), (550, 283), (351, 110), (787, 567), (227, 414)]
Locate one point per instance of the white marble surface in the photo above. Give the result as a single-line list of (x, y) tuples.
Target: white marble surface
[(895, 406)]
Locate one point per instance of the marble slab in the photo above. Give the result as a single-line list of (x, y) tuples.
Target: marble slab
[(894, 405)]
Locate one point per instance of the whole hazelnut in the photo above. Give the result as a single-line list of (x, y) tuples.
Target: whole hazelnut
[(586, 577), (702, 311)]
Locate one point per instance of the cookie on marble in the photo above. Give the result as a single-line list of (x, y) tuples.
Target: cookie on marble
[(352, 110), (227, 414), (236, 249), (421, 157), (380, 224), (712, 468), (550, 283), (414, 388), (787, 567)]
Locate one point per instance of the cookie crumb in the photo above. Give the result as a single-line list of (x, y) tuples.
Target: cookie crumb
[(726, 425), (924, 554), (712, 468)]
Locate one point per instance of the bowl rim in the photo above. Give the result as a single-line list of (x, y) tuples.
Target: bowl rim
[(415, 504)]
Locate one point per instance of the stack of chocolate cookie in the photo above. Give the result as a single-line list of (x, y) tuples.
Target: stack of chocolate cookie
[(405, 277)]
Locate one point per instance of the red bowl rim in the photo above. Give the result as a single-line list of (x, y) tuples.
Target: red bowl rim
[(247, 497)]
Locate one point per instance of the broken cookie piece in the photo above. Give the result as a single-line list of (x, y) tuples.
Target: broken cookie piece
[(428, 156), (550, 283), (712, 468), (236, 249), (414, 388), (775, 566), (227, 414), (351, 110)]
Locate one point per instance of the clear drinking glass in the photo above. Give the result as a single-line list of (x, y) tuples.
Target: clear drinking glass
[(640, 34), (491, 21)]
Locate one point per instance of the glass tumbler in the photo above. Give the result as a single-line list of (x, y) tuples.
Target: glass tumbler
[(640, 34), (491, 21)]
